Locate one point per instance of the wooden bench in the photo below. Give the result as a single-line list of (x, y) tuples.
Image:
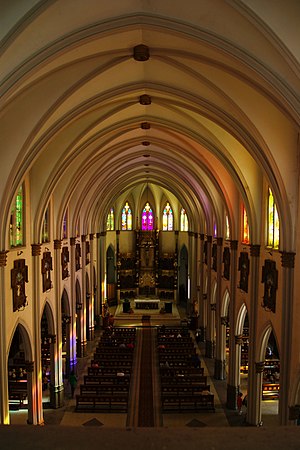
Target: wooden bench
[(17, 391), (107, 403), (106, 371), (187, 371), (183, 389), (103, 389), (113, 356), (112, 363), (104, 379), (188, 402), (186, 379)]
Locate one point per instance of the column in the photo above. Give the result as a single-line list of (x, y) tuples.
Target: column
[(254, 374), (92, 294), (98, 308), (211, 308), (4, 401), (56, 381), (37, 404), (202, 297), (102, 262), (30, 391), (288, 264), (220, 361), (233, 377)]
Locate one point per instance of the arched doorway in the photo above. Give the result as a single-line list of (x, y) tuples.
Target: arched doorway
[(67, 360), (20, 371), (47, 354), (271, 382)]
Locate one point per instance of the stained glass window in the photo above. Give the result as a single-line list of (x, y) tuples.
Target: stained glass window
[(147, 218), (126, 217), (227, 228), (65, 225), (245, 237), (184, 223), (16, 220), (272, 222), (215, 229), (110, 224), (46, 226), (167, 218)]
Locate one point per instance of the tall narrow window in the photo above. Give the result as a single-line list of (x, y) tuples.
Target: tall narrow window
[(227, 228), (245, 237), (147, 218), (167, 218), (215, 229), (126, 217), (184, 223), (46, 226), (110, 224), (16, 220), (272, 222), (65, 225)]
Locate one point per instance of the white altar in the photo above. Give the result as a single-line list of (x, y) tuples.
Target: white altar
[(147, 303)]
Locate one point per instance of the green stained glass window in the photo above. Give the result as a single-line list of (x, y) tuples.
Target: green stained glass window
[(16, 220)]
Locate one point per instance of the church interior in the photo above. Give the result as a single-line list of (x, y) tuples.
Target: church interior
[(149, 192)]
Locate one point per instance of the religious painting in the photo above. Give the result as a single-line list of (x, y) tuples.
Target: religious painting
[(65, 262), (46, 271), (19, 276), (226, 261), (244, 264), (270, 280), (77, 256), (87, 256)]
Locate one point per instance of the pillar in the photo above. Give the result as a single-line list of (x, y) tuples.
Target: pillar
[(210, 340), (220, 361), (37, 404), (201, 293), (233, 377), (91, 293), (4, 401)]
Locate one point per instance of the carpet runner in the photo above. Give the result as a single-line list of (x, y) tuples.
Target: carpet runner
[(146, 410)]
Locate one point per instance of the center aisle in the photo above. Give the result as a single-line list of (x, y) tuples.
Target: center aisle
[(146, 411)]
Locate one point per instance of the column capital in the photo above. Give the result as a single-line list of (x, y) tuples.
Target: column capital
[(91, 236), (259, 366), (36, 249), (72, 241), (288, 259), (213, 306), (83, 238), (98, 235), (234, 245), (223, 320), (201, 235), (3, 258), (57, 244), (254, 250)]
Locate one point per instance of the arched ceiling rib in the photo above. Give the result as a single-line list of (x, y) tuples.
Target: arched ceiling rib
[(74, 93)]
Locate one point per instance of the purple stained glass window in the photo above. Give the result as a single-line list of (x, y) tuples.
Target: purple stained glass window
[(147, 218)]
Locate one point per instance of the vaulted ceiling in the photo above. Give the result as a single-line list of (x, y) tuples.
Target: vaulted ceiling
[(206, 110)]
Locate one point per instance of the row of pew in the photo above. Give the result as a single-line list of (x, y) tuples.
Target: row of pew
[(183, 383), (107, 383)]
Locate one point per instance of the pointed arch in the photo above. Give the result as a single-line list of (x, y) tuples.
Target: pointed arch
[(167, 218), (147, 218), (126, 218)]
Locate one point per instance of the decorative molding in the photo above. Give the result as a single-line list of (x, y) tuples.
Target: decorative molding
[(72, 241), (98, 235), (259, 367), (255, 250), (3, 258), (36, 249), (57, 244), (145, 99), (91, 236), (145, 126), (103, 233), (141, 53), (201, 236), (213, 306), (288, 259), (224, 320), (83, 238)]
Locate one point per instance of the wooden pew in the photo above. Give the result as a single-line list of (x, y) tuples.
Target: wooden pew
[(188, 402), (103, 389), (104, 379), (107, 403)]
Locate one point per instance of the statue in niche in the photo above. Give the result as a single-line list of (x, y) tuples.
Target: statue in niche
[(77, 256), (214, 257), (46, 271), (64, 262), (244, 265), (270, 280), (19, 276), (226, 261)]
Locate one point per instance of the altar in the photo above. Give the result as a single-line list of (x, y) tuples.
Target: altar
[(147, 303)]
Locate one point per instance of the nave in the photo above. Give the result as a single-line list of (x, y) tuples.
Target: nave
[(144, 405)]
